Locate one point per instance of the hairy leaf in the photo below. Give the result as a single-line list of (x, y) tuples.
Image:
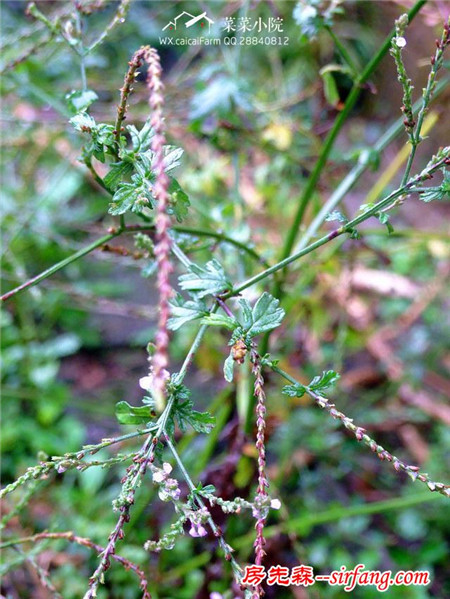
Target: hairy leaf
[(265, 315), (228, 369), (185, 311), (207, 280), (324, 381)]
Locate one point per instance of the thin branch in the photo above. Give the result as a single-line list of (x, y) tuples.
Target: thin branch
[(60, 265), (85, 542), (361, 435)]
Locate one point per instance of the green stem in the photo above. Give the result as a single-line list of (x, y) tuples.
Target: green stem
[(394, 130), (60, 265), (216, 531), (348, 227), (342, 50), (427, 94), (202, 233), (331, 137)]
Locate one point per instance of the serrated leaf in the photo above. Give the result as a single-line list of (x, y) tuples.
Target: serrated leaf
[(185, 415), (184, 311), (297, 390), (228, 369), (127, 414), (321, 382), (247, 318), (207, 280), (266, 315), (220, 320), (141, 139), (117, 173), (179, 203), (123, 200), (172, 157)]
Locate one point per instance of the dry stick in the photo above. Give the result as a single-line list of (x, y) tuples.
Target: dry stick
[(72, 538), (360, 433)]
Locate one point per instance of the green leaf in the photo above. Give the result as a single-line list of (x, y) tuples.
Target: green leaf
[(330, 89), (79, 101), (322, 382), (228, 369), (384, 220), (127, 414), (172, 157), (185, 311), (117, 173), (265, 315), (179, 201), (297, 390), (184, 414), (220, 320), (208, 280), (141, 139)]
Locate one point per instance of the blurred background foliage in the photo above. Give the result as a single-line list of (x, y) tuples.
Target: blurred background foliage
[(251, 121)]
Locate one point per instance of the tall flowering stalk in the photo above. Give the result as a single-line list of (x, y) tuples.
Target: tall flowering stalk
[(261, 499), (160, 358)]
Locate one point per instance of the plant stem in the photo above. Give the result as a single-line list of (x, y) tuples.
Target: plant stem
[(342, 50), (215, 529), (329, 142), (344, 187), (202, 233), (60, 265), (348, 227), (361, 436), (427, 94)]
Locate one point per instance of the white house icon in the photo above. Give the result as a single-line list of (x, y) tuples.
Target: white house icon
[(190, 20)]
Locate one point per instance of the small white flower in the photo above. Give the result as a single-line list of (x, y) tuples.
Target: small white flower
[(275, 504), (158, 476), (167, 468), (400, 42), (146, 383)]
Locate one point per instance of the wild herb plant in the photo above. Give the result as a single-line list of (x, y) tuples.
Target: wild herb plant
[(140, 181)]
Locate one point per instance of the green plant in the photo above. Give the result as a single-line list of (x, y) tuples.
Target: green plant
[(140, 184)]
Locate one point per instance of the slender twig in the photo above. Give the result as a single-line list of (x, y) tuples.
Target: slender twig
[(361, 435), (348, 182), (226, 548), (118, 18), (60, 265), (348, 227), (85, 542), (134, 64), (436, 63), (329, 142)]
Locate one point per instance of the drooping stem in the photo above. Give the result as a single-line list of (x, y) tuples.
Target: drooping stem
[(361, 435)]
